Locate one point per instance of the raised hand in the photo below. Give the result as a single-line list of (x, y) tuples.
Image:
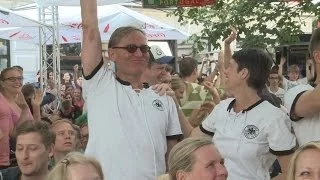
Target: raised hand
[(21, 102), (282, 61), (232, 36), (162, 89), (37, 98), (220, 64), (76, 67), (210, 87)]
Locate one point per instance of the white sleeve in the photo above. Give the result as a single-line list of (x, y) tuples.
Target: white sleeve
[(208, 125), (98, 75), (285, 82), (303, 80), (279, 134), (292, 95), (174, 127)]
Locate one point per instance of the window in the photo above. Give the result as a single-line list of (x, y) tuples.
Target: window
[(4, 54)]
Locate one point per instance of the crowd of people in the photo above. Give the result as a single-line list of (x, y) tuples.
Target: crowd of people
[(242, 120)]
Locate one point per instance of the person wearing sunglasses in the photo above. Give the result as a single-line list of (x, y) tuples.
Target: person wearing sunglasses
[(13, 109), (133, 127)]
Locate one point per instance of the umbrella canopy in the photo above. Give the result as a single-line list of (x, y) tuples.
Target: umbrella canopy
[(46, 3), (70, 30)]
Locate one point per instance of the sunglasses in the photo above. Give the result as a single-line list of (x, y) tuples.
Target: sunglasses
[(13, 79), (131, 48)]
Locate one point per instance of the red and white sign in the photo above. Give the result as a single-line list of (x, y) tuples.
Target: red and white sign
[(192, 3)]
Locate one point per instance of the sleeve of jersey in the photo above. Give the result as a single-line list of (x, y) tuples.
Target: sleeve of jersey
[(174, 128), (281, 140), (98, 75), (285, 83), (291, 97), (303, 80), (207, 126)]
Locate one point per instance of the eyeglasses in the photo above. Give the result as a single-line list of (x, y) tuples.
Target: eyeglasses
[(131, 48), (13, 79)]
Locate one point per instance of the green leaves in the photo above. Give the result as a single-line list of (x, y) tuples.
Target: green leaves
[(261, 23)]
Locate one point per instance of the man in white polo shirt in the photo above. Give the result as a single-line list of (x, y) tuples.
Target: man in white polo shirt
[(249, 132), (131, 127), (303, 101)]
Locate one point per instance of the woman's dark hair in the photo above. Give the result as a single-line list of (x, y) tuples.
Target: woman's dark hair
[(28, 92), (257, 62)]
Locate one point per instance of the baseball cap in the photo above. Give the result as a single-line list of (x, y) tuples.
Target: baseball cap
[(158, 56)]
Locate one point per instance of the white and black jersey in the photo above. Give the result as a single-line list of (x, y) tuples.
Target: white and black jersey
[(128, 130), (249, 140), (306, 129)]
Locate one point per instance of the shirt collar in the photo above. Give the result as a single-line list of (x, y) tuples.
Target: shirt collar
[(126, 83)]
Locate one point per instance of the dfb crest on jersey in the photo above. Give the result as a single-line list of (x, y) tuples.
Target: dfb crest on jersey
[(251, 132), (158, 105)]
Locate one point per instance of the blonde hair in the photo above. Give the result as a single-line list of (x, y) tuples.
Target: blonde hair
[(60, 171), (181, 156), (293, 69), (293, 162), (176, 82), (58, 121)]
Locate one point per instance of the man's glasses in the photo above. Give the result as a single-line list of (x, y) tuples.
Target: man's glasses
[(131, 48), (13, 79)]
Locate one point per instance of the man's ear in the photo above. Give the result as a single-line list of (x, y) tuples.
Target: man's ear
[(111, 54), (181, 175), (195, 71), (316, 56), (244, 73), (51, 149)]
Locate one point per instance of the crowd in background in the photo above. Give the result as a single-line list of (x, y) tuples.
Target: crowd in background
[(44, 131)]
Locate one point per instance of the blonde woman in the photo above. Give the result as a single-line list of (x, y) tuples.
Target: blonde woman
[(178, 86), (76, 166), (305, 163), (196, 158)]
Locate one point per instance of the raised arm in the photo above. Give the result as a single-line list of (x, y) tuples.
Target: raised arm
[(76, 75), (227, 48), (36, 104), (91, 52), (308, 103), (282, 62), (201, 69)]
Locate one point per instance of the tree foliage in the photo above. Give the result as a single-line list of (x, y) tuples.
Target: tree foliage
[(260, 23)]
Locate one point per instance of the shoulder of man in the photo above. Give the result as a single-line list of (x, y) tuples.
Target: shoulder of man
[(293, 94), (11, 173)]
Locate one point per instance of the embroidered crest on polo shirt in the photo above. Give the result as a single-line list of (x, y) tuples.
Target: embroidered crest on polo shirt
[(158, 105), (251, 131)]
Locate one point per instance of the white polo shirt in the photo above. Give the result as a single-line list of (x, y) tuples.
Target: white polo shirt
[(287, 84), (306, 129), (279, 93), (128, 130), (249, 139)]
